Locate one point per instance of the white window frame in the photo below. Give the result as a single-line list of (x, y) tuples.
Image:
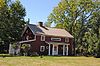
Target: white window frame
[(41, 48), (66, 39), (34, 37), (52, 39), (27, 37), (42, 38), (26, 31)]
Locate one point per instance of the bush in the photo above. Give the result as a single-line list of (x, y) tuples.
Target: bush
[(25, 49)]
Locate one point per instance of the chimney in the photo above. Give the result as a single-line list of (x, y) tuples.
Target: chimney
[(40, 24)]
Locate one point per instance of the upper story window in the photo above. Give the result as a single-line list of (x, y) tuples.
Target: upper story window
[(27, 37), (34, 37), (27, 31), (66, 39), (55, 39), (30, 37), (42, 38)]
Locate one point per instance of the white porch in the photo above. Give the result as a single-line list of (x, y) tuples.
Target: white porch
[(54, 50)]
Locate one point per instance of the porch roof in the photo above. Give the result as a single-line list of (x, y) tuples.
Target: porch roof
[(58, 43)]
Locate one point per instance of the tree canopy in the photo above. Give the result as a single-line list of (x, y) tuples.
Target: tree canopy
[(82, 19), (11, 22)]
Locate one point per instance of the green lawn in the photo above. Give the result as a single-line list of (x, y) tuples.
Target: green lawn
[(49, 61)]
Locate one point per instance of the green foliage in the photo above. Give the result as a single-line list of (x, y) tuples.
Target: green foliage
[(11, 21), (24, 49), (82, 19), (15, 46), (25, 46)]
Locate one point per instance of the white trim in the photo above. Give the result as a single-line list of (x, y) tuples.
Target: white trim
[(42, 38), (63, 49), (57, 43), (67, 50), (27, 37), (26, 41), (58, 39), (27, 26), (49, 50), (31, 29), (24, 30), (53, 50), (34, 37), (66, 39), (57, 49)]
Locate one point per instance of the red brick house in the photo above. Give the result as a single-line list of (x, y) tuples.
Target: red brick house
[(51, 41)]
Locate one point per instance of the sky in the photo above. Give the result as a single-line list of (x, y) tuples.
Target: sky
[(38, 10)]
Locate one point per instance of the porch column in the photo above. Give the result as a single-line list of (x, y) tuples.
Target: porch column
[(53, 49), (57, 49), (49, 50), (67, 50), (63, 49)]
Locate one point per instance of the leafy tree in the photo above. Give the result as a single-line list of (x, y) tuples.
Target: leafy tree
[(11, 21), (78, 17)]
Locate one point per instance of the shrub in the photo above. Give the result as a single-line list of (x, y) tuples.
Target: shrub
[(24, 49)]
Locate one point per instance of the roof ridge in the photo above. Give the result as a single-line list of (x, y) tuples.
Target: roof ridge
[(52, 27), (48, 27)]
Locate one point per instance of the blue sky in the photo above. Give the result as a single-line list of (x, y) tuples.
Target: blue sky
[(38, 10)]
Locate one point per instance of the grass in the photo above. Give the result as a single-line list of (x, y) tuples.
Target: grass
[(49, 61)]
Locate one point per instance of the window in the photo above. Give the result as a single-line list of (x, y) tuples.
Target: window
[(34, 37), (66, 39), (27, 37), (27, 31), (42, 38), (56, 39), (42, 48)]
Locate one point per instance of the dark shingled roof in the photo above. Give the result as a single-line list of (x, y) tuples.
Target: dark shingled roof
[(49, 31)]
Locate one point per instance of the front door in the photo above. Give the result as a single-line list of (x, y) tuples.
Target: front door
[(60, 49)]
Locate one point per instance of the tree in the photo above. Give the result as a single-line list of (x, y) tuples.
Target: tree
[(95, 31), (11, 21), (75, 17)]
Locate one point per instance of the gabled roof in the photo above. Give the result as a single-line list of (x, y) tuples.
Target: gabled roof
[(49, 31)]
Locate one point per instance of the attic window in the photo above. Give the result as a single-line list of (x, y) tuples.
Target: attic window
[(42, 38), (66, 39), (55, 39), (27, 37), (27, 31), (34, 37)]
